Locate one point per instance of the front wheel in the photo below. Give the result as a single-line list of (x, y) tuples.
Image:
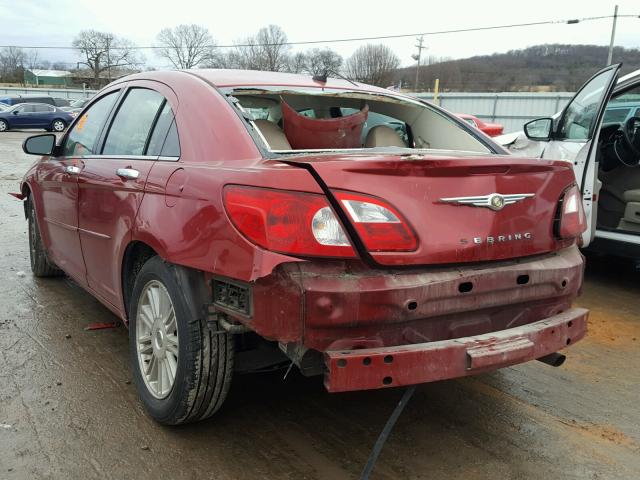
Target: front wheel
[(41, 266), (58, 125), (181, 368), (4, 126)]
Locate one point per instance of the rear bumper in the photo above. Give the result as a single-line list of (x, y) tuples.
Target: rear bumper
[(364, 369)]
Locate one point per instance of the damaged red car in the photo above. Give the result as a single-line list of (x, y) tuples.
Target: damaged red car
[(245, 221)]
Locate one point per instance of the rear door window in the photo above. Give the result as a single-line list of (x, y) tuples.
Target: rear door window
[(42, 108), (160, 130), (171, 147), (131, 126), (82, 138)]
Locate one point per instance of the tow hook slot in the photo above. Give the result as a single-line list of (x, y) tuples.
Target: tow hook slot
[(554, 359)]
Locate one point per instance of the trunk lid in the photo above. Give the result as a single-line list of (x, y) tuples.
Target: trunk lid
[(453, 231)]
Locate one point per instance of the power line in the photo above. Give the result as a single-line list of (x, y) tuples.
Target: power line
[(356, 39)]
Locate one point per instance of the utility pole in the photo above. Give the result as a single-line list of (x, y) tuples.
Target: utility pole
[(109, 57), (417, 57), (613, 35)]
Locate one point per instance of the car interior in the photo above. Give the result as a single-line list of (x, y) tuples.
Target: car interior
[(619, 164), (292, 121)]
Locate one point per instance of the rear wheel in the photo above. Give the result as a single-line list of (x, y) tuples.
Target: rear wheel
[(181, 368), (41, 266), (4, 126), (58, 125)]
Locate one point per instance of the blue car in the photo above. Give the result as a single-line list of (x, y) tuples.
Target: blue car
[(35, 115)]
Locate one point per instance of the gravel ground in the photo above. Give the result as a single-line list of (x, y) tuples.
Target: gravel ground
[(68, 408)]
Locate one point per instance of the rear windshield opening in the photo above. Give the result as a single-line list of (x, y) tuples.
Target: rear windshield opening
[(291, 121)]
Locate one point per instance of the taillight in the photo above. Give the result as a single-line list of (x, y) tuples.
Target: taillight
[(380, 226), (287, 222), (572, 221)]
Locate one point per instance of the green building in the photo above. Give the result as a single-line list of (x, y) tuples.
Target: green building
[(57, 78)]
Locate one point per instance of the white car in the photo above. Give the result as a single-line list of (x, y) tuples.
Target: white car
[(599, 132)]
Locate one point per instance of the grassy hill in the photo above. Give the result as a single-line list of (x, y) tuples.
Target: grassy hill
[(538, 68)]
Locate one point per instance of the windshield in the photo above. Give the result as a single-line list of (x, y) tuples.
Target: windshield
[(294, 120)]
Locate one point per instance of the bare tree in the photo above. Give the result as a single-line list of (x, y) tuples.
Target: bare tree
[(298, 62), (104, 52), (267, 50), (12, 64), (373, 64), (186, 46), (32, 59), (322, 61)]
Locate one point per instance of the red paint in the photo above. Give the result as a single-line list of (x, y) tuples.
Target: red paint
[(491, 129), (378, 299), (433, 361), (316, 133)]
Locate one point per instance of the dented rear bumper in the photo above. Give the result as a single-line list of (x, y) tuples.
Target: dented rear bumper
[(427, 362), (437, 323)]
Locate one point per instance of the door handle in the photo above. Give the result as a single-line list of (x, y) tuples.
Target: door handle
[(72, 170), (128, 173)]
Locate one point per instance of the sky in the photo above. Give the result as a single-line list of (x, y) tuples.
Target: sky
[(55, 23)]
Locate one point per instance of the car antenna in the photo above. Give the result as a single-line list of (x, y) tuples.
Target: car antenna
[(322, 77)]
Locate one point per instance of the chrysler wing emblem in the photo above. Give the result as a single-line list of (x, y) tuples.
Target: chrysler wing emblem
[(494, 201)]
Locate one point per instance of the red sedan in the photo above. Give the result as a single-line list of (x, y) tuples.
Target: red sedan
[(491, 129), (243, 221)]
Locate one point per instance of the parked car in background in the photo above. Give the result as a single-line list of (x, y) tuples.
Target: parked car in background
[(598, 132), (230, 241), (16, 99), (76, 105), (491, 129), (61, 102), (35, 115)]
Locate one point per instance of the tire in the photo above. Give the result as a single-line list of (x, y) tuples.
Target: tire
[(58, 125), (41, 266), (4, 126), (204, 362)]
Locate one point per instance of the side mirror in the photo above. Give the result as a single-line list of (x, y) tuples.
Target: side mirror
[(539, 129), (15, 112), (40, 144)]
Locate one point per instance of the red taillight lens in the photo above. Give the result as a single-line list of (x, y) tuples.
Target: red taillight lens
[(379, 225), (573, 221), (288, 222)]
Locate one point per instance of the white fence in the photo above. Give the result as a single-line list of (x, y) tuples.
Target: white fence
[(510, 109), (71, 93)]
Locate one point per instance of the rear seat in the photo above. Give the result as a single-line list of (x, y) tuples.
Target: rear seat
[(273, 134)]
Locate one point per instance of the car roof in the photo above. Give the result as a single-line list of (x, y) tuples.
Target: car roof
[(238, 78)]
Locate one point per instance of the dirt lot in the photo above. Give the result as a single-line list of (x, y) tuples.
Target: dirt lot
[(68, 408)]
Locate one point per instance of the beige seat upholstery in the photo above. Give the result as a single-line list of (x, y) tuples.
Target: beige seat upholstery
[(632, 196), (383, 136), (631, 219), (273, 134)]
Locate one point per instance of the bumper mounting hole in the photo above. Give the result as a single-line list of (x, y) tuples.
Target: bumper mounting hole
[(465, 287), (366, 361), (342, 362), (388, 359), (387, 380)]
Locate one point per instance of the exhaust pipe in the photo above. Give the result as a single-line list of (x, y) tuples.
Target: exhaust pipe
[(553, 359)]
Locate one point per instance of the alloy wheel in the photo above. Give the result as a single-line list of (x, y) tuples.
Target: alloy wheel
[(58, 126), (157, 339)]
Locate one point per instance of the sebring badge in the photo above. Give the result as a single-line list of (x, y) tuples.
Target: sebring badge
[(494, 201)]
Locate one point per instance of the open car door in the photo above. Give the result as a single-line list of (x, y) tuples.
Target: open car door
[(574, 134)]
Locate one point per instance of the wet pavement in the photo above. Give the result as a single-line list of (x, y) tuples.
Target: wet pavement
[(69, 410)]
